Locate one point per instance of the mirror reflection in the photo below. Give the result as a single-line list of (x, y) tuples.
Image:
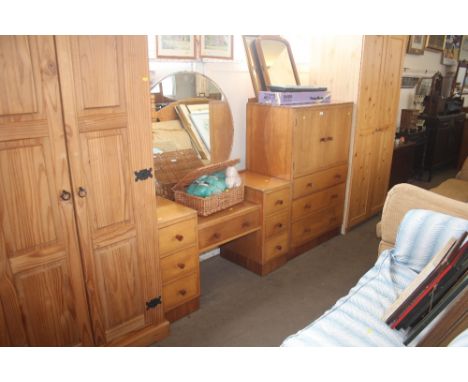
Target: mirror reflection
[(190, 112), (277, 62)]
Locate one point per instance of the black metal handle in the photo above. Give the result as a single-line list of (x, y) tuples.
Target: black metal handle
[(82, 192), (65, 195)]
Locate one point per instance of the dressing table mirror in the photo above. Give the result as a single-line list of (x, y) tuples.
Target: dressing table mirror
[(276, 62), (190, 112)]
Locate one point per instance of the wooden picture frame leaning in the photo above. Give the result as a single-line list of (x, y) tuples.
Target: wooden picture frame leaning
[(435, 43), (416, 44), (175, 46)]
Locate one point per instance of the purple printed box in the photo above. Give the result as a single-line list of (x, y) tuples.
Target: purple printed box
[(293, 98)]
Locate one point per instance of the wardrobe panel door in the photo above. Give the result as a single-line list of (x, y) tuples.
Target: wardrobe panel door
[(370, 90), (361, 177), (42, 293), (104, 82)]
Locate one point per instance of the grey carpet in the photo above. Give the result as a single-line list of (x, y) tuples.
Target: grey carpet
[(239, 308)]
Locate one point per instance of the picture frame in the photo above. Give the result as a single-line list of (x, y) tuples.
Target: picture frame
[(176, 46), (416, 44), (451, 50), (435, 43), (216, 46), (463, 55)]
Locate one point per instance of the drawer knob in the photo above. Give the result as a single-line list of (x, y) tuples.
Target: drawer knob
[(181, 265), (216, 235), (278, 247), (279, 225), (182, 292), (310, 184), (323, 139), (329, 138), (307, 207), (334, 196), (279, 203), (179, 237), (337, 176), (65, 195), (245, 224)]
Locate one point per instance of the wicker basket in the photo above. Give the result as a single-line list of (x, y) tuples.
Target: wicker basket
[(211, 204), (170, 167)]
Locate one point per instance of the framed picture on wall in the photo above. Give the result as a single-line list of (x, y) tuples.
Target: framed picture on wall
[(416, 44), (435, 43), (215, 46), (451, 50), (175, 46), (463, 56)]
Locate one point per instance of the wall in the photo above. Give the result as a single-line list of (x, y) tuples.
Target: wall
[(233, 77)]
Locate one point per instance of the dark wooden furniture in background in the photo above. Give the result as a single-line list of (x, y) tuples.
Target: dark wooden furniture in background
[(444, 135), (403, 163), (464, 144)]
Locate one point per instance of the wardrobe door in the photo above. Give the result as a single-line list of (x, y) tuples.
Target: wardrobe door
[(394, 50), (104, 82), (42, 297)]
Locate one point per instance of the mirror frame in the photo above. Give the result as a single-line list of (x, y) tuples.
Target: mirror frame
[(262, 61), (252, 61), (464, 90), (220, 111)]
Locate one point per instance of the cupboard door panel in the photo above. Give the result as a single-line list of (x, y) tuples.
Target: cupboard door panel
[(41, 282), (107, 108)]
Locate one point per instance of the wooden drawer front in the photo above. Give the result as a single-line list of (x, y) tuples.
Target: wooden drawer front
[(318, 181), (276, 201), (177, 236), (276, 224), (306, 205), (179, 264), (180, 291), (220, 233), (315, 225), (276, 246)]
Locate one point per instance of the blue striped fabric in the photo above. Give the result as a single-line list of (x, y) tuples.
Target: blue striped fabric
[(356, 319)]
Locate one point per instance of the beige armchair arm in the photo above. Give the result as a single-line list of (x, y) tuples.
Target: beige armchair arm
[(404, 197), (463, 173)]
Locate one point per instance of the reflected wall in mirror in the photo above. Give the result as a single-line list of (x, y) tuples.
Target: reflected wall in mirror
[(191, 125), (276, 61)]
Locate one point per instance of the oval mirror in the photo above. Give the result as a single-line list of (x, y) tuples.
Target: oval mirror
[(190, 112)]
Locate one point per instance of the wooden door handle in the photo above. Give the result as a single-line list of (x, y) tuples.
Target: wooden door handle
[(181, 265), (179, 237)]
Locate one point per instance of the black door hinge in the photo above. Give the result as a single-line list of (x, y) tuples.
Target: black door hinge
[(143, 174), (153, 303)]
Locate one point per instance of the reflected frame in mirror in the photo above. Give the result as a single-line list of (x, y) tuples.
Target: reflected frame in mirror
[(263, 62)]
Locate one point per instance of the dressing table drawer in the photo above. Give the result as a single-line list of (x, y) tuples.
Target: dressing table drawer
[(276, 224), (177, 236), (212, 236), (180, 291), (306, 205), (179, 264), (319, 181), (315, 225), (276, 201), (276, 246)]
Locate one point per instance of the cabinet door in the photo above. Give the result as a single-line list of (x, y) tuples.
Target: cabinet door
[(321, 138), (42, 296), (105, 91)]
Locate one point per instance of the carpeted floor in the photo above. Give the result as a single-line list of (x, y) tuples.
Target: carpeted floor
[(239, 308)]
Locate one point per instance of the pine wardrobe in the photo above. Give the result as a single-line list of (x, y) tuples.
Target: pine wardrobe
[(79, 261)]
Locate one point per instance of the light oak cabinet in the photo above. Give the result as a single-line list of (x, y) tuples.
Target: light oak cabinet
[(266, 249), (308, 146), (377, 105), (79, 261)]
